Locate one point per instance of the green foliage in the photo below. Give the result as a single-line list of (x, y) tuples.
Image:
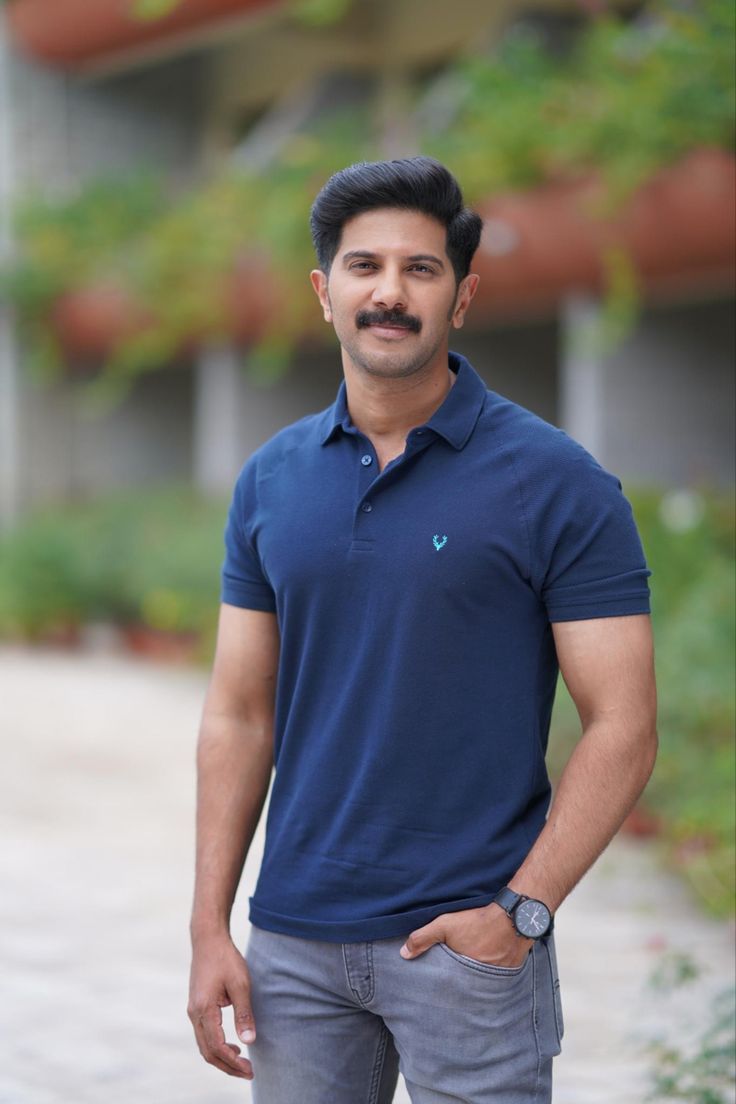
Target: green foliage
[(67, 243), (631, 98), (674, 969), (689, 545), (149, 10), (72, 243), (40, 584), (628, 100), (312, 13), (319, 13), (126, 558), (704, 1074)]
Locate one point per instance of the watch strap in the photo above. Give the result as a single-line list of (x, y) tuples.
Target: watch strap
[(508, 899)]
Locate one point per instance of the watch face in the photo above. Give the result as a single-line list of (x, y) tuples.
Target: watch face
[(532, 919)]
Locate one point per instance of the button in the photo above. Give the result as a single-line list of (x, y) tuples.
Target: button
[(366, 460), (366, 507), (420, 432)]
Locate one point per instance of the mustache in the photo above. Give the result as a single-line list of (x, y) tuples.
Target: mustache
[(387, 318)]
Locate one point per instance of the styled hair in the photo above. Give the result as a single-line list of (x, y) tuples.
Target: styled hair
[(413, 184)]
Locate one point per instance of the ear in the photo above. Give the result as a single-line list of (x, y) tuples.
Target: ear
[(318, 281), (465, 293)]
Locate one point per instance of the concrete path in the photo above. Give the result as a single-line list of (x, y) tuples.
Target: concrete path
[(96, 819)]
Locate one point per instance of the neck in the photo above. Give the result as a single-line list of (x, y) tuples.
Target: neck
[(387, 409)]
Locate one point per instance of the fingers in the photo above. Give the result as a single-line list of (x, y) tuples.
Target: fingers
[(220, 979), (421, 940), (239, 993), (244, 1023), (213, 1047)]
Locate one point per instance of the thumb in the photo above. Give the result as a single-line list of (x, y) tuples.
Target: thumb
[(245, 1025), (421, 940)]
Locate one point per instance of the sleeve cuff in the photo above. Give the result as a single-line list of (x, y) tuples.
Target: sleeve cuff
[(247, 596)]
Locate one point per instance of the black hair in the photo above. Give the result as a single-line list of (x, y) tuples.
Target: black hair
[(411, 183)]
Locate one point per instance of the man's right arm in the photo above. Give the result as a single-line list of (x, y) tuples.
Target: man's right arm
[(234, 763)]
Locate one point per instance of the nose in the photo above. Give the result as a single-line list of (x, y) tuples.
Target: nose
[(388, 291)]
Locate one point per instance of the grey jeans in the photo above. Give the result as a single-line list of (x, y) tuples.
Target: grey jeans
[(337, 1022)]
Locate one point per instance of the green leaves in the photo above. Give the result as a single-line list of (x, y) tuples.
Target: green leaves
[(693, 605), (62, 241), (149, 10), (630, 98), (319, 13), (703, 1072)]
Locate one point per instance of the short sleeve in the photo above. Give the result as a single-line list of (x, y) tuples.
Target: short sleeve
[(588, 559), (243, 581)]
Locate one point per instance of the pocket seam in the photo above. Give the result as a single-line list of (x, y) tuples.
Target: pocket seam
[(556, 996), (485, 967)]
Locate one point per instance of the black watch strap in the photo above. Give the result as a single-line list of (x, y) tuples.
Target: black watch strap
[(508, 899)]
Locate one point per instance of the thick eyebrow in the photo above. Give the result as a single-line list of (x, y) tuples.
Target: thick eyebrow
[(416, 257)]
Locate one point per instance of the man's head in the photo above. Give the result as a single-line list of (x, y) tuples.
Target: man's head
[(411, 184), (394, 244)]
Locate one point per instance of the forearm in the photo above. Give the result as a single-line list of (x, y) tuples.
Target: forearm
[(234, 762), (600, 784)]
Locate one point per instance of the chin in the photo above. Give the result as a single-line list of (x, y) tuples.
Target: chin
[(391, 364), (390, 367)]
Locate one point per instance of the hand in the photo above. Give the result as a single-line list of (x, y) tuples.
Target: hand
[(219, 978), (486, 934)]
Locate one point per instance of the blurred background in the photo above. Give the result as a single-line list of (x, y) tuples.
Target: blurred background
[(158, 159)]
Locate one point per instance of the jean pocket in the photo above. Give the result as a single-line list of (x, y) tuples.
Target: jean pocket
[(486, 967), (549, 1022), (555, 974)]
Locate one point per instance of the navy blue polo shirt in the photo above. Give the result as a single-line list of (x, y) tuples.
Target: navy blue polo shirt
[(417, 668)]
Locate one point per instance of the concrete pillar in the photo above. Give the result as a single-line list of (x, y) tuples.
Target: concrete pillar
[(10, 384), (582, 366), (218, 445), (397, 132)]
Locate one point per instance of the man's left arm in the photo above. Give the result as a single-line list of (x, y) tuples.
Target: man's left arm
[(608, 666)]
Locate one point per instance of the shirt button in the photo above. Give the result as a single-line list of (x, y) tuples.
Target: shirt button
[(366, 507), (366, 460)]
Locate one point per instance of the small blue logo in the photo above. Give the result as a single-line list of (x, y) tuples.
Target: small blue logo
[(439, 543)]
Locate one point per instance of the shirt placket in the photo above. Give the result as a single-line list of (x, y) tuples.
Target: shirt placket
[(371, 482)]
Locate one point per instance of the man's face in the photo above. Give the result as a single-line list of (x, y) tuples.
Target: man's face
[(391, 293)]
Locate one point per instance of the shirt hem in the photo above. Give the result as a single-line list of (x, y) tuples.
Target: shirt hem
[(351, 931)]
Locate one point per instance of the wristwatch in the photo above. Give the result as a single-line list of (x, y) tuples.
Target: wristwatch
[(531, 918)]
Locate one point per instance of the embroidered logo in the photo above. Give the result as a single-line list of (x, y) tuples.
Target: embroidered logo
[(439, 543)]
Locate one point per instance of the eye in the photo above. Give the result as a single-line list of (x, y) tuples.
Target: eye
[(423, 269), (362, 265)]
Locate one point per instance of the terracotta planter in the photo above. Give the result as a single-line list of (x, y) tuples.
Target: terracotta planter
[(250, 298), (79, 34), (61, 634), (539, 246), (642, 823), (155, 644), (90, 322), (679, 228)]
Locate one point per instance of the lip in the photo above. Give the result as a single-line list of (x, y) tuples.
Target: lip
[(391, 333)]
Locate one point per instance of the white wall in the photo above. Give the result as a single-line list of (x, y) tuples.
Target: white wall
[(670, 400), (660, 407)]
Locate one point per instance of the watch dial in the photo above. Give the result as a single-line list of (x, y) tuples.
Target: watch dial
[(532, 919)]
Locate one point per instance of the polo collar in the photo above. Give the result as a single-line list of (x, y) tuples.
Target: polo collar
[(454, 420)]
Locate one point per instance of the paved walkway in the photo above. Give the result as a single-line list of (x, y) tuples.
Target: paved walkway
[(96, 801)]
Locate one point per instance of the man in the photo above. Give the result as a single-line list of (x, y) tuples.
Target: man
[(404, 573)]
